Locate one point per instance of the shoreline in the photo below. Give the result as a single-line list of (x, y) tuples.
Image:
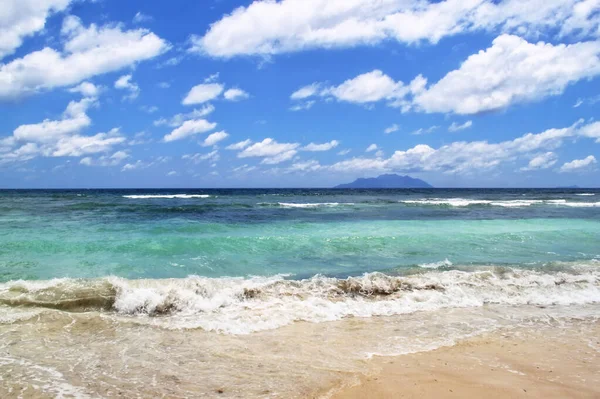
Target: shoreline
[(516, 363)]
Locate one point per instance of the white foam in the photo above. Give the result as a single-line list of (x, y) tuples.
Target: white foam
[(313, 205), (168, 196), (245, 305), (462, 202), (436, 265), (242, 306), (586, 194)]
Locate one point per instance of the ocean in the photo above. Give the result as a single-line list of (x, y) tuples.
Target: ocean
[(274, 292)]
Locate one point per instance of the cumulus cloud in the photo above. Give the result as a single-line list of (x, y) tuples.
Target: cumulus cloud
[(454, 127), (541, 161), (190, 128), (477, 156), (235, 94), (22, 18), (125, 83), (304, 106), (511, 71), (239, 145), (58, 138), (371, 148), (105, 160), (215, 138), (592, 131), (266, 28), (367, 88), (212, 156), (202, 93), (579, 165), (87, 51), (178, 119), (391, 129), (321, 147), (271, 151), (306, 91), (86, 89), (422, 130), (140, 18)]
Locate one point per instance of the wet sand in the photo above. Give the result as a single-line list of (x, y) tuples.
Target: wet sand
[(522, 363)]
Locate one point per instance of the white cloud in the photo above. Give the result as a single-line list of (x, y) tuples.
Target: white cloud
[(454, 127), (86, 52), (86, 89), (344, 152), (190, 128), (105, 160), (279, 158), (306, 91), (235, 94), (268, 27), (359, 164), (132, 166), (202, 93), (215, 138), (239, 145), (177, 120), (125, 83), (592, 131), (73, 121), (305, 166), (172, 173), (371, 148), (164, 85), (367, 88), (541, 161), (272, 151), (511, 71), (392, 129), (321, 147), (579, 165), (476, 156), (212, 156), (149, 108), (140, 18), (22, 18), (420, 131), (304, 106)]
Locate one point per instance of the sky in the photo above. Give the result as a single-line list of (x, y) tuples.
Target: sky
[(298, 93)]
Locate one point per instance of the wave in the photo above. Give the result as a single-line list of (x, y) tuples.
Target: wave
[(586, 194), (245, 305), (436, 265), (168, 196), (462, 202), (306, 205)]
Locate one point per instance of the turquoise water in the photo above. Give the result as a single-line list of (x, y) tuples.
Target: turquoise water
[(300, 233)]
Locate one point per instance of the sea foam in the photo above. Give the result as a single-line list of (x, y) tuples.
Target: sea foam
[(246, 305), (167, 196)]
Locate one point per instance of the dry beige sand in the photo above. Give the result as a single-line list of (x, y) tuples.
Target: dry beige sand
[(539, 363)]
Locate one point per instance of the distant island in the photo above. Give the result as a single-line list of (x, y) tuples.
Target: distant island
[(387, 181)]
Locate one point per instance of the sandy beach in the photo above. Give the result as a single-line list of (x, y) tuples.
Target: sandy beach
[(522, 363)]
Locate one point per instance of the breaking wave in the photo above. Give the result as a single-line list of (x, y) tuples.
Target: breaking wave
[(168, 196), (245, 305), (462, 202)]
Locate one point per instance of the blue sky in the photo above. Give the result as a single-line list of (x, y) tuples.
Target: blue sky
[(298, 93)]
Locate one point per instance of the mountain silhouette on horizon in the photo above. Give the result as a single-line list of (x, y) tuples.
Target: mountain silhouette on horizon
[(387, 181)]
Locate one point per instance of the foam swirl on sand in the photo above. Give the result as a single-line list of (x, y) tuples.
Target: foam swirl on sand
[(245, 305)]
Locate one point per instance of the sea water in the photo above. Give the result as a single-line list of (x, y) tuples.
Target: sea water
[(224, 280)]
